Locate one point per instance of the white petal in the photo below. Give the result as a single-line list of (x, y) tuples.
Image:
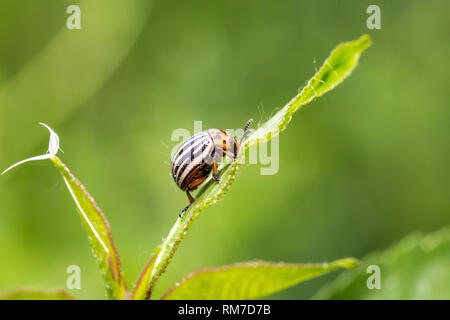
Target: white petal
[(53, 146), (53, 142), (42, 157)]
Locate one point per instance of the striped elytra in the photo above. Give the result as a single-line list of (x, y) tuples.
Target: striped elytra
[(189, 158), (199, 155)]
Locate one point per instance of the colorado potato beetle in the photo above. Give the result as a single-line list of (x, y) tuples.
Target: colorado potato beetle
[(200, 154)]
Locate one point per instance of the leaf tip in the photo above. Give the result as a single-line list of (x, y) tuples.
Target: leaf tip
[(363, 42), (348, 263)]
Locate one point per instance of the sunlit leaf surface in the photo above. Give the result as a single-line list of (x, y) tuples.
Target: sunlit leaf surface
[(98, 231), (250, 280), (416, 268), (37, 295)]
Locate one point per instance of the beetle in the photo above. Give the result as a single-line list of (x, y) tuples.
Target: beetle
[(200, 154)]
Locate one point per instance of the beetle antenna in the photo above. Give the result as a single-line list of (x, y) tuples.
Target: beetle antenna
[(249, 122), (246, 131)]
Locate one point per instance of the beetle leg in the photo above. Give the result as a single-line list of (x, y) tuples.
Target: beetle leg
[(225, 152), (215, 174), (228, 154), (190, 197), (184, 210), (191, 201), (194, 184)]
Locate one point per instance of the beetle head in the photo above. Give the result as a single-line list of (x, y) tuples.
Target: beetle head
[(227, 143)]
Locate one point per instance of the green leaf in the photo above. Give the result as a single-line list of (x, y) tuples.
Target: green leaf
[(98, 231), (249, 280), (338, 66), (37, 295), (141, 290), (415, 268)]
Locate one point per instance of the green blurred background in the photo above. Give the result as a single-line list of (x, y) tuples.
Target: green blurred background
[(360, 168)]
